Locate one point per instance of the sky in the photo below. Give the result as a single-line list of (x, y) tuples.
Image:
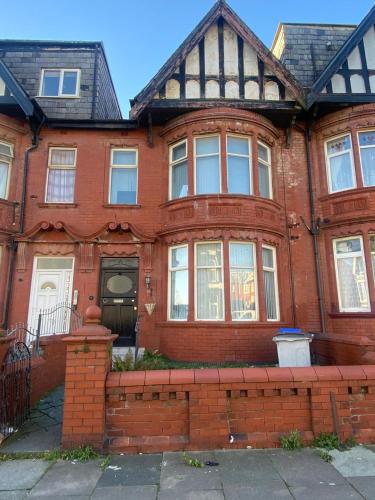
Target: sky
[(140, 35)]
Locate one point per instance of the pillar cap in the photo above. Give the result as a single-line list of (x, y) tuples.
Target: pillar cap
[(93, 315), (92, 324)]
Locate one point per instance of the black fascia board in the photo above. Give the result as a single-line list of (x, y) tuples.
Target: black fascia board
[(93, 124)]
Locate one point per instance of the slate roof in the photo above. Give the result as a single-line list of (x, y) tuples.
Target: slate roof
[(306, 49)]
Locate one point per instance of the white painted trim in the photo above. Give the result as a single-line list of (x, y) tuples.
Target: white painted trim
[(347, 255), (208, 242), (8, 159), (364, 147), (205, 156), (328, 171), (125, 166), (176, 162), (60, 167), (170, 270), (61, 79), (275, 272), (268, 164), (249, 157), (255, 268)]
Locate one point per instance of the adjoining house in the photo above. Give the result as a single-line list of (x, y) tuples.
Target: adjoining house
[(238, 197)]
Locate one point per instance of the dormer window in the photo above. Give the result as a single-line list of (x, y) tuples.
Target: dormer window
[(60, 83)]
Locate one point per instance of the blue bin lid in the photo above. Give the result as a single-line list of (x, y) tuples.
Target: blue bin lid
[(285, 331)]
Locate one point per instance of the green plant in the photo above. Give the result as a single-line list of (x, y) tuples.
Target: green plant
[(193, 462), (105, 462), (291, 441), (81, 454), (324, 455), (124, 364), (327, 440), (351, 442)]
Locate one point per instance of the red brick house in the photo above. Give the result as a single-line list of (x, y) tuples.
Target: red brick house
[(238, 197)]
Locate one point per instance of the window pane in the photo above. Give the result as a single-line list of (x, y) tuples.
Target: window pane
[(352, 283), (6, 149), (179, 180), (60, 187), (209, 254), (262, 153), (368, 166), (267, 257), (341, 172), (179, 152), (63, 157), (348, 246), (124, 157), (241, 255), (238, 175), (367, 138), (2, 87), (338, 145), (264, 181), (242, 294), (70, 83), (4, 168), (372, 249), (208, 175), (179, 294), (209, 294), (238, 145), (270, 294), (124, 186), (179, 257), (207, 145), (55, 263), (51, 81)]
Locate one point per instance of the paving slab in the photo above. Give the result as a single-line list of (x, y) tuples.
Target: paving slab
[(132, 470), (358, 461), (191, 495), (13, 495), (364, 485), (270, 490), (338, 492), (126, 493), (68, 479), (304, 468), (21, 474)]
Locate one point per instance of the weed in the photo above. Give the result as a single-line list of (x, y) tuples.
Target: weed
[(193, 462), (327, 441), (351, 442), (81, 454), (125, 364), (291, 441), (105, 462), (324, 455)]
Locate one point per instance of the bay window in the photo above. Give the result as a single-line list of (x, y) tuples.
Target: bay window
[(178, 170), (123, 177), (178, 283), (6, 155), (367, 154), (270, 283), (351, 275), (242, 281), (61, 175), (340, 168), (207, 165), (238, 165), (264, 171), (209, 281)]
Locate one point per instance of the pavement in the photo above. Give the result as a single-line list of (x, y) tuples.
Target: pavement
[(232, 475)]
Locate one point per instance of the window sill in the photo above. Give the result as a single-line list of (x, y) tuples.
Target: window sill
[(115, 205), (274, 325), (57, 205), (224, 196), (58, 97), (347, 192), (343, 315)]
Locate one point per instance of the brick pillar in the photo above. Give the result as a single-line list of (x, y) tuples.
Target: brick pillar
[(88, 361)]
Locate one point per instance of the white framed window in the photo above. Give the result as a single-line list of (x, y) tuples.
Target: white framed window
[(366, 141), (243, 282), (238, 165), (209, 281), (123, 177), (271, 292), (2, 87), (6, 156), (61, 175), (178, 295), (60, 83), (264, 171), (207, 165), (351, 278), (340, 165), (372, 251), (178, 170)]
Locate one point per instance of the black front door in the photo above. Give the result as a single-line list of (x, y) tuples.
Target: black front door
[(118, 298)]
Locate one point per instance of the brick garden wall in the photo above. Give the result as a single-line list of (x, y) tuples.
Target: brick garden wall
[(48, 370), (194, 409)]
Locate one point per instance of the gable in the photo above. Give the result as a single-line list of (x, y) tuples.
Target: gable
[(221, 59), (351, 73)]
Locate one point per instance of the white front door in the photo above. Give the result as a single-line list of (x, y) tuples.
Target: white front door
[(51, 286)]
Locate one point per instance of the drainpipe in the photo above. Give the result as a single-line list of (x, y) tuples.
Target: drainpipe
[(13, 243), (314, 229)]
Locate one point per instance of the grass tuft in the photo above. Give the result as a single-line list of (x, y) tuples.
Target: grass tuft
[(291, 441)]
